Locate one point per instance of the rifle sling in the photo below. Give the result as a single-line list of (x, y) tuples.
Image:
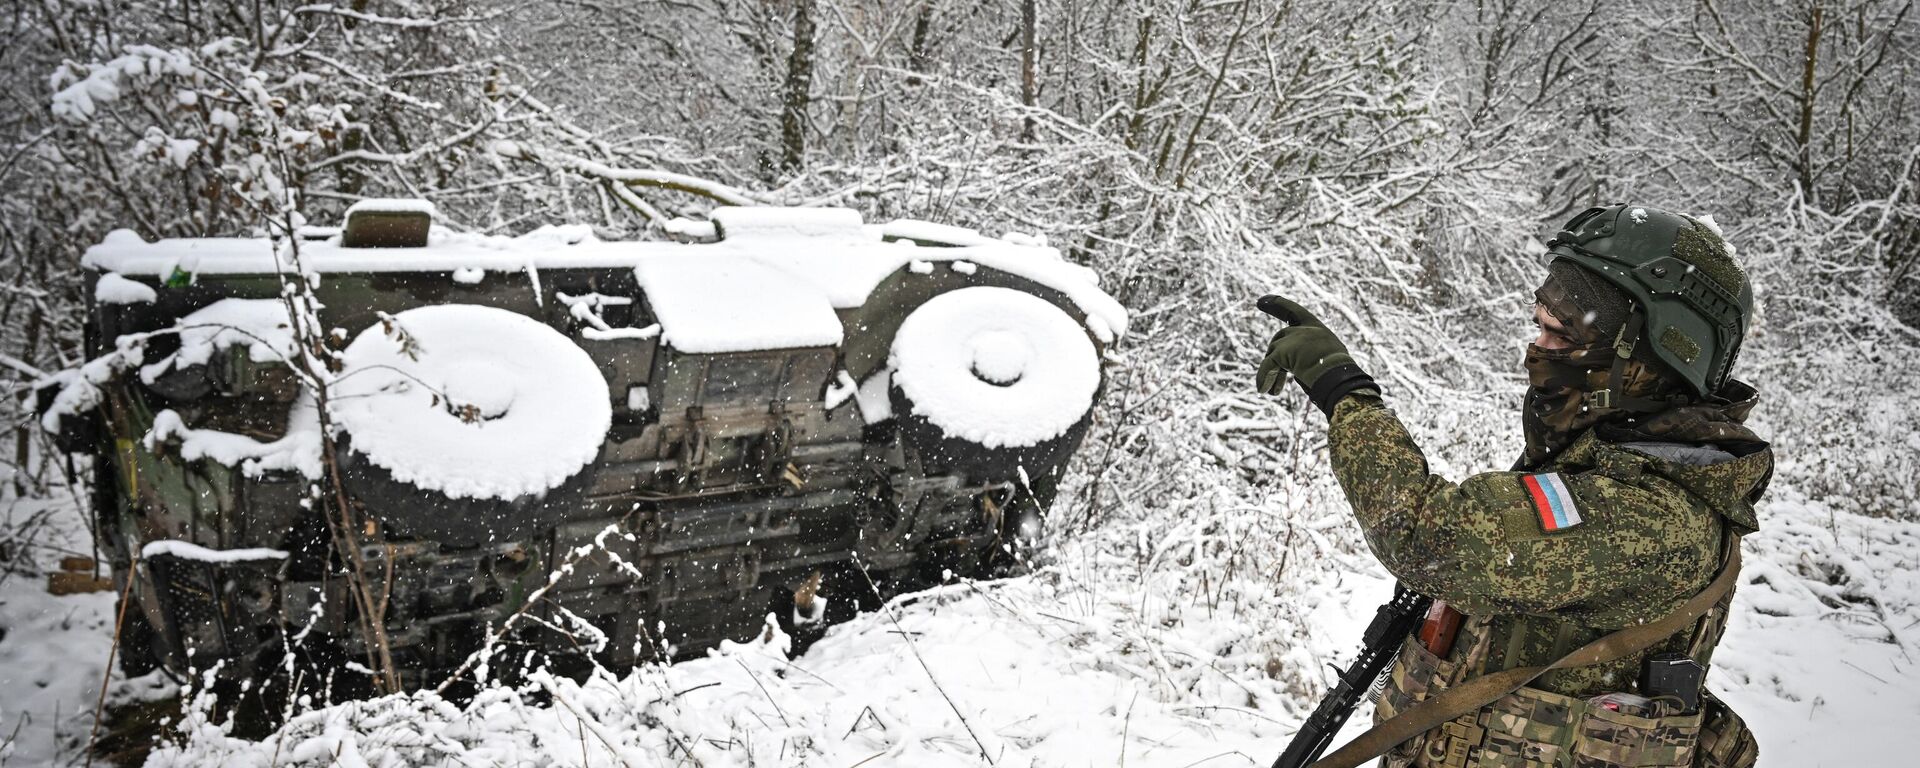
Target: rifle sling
[(1485, 689)]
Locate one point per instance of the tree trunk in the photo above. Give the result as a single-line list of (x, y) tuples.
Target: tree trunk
[(1029, 79), (1803, 139), (919, 52), (793, 115), (23, 435)]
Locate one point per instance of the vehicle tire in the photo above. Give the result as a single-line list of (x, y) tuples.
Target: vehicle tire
[(991, 383), (407, 511), (467, 424)]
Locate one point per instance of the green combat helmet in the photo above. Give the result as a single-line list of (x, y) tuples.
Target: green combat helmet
[(1689, 297)]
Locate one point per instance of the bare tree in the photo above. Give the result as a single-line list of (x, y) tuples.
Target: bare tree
[(1029, 74), (1810, 93), (798, 89)]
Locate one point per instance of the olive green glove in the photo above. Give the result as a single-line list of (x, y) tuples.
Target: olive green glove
[(1311, 352)]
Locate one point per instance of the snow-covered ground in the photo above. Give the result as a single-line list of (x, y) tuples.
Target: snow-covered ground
[(52, 649), (1115, 652)]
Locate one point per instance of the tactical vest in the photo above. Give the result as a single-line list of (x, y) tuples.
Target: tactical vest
[(1554, 722), (1538, 728)]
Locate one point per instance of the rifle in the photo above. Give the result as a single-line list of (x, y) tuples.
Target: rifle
[(1391, 625)]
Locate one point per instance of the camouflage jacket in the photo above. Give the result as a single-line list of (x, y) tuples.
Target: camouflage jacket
[(1618, 529)]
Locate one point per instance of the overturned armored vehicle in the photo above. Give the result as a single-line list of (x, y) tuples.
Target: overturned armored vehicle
[(615, 451)]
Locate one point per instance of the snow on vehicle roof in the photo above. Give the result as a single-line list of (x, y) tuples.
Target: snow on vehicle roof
[(771, 221), (822, 251), (734, 305), (114, 289), (390, 205), (914, 229), (260, 325)]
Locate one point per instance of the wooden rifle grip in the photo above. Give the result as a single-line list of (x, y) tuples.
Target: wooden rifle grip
[(1438, 631)]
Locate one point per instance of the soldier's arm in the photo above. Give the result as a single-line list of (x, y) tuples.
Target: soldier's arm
[(1483, 544)]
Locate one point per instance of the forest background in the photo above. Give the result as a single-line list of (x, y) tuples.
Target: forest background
[(1393, 165)]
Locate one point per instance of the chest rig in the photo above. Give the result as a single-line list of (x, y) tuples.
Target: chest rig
[(1557, 722)]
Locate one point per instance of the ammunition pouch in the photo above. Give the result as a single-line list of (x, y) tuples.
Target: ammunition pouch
[(1725, 741), (1532, 728), (1415, 677)]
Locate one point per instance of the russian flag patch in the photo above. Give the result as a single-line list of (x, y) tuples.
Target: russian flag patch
[(1552, 501)]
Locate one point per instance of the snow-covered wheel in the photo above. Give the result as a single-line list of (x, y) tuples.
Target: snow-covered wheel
[(990, 381), (468, 423)]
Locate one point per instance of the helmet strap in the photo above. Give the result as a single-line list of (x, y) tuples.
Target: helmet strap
[(1615, 395)]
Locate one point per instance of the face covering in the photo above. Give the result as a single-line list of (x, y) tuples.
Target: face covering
[(1561, 382), (1555, 410)]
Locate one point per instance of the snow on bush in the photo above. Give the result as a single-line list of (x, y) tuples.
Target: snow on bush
[(995, 366), (1048, 670), (1114, 655), (1820, 647), (471, 401)]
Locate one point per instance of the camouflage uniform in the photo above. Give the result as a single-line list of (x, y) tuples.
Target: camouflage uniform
[(1657, 503)]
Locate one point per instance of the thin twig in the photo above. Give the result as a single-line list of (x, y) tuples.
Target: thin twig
[(119, 621), (582, 717), (915, 649), (763, 691)]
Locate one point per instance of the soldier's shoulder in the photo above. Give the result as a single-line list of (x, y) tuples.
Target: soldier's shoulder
[(1729, 482), (1613, 494)]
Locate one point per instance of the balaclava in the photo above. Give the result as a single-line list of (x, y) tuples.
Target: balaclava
[(1561, 381)]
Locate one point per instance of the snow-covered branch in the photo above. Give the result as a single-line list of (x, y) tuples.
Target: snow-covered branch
[(639, 177)]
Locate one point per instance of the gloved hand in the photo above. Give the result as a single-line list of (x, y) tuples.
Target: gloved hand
[(1311, 352)]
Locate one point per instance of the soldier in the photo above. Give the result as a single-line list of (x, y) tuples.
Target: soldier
[(1637, 481)]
